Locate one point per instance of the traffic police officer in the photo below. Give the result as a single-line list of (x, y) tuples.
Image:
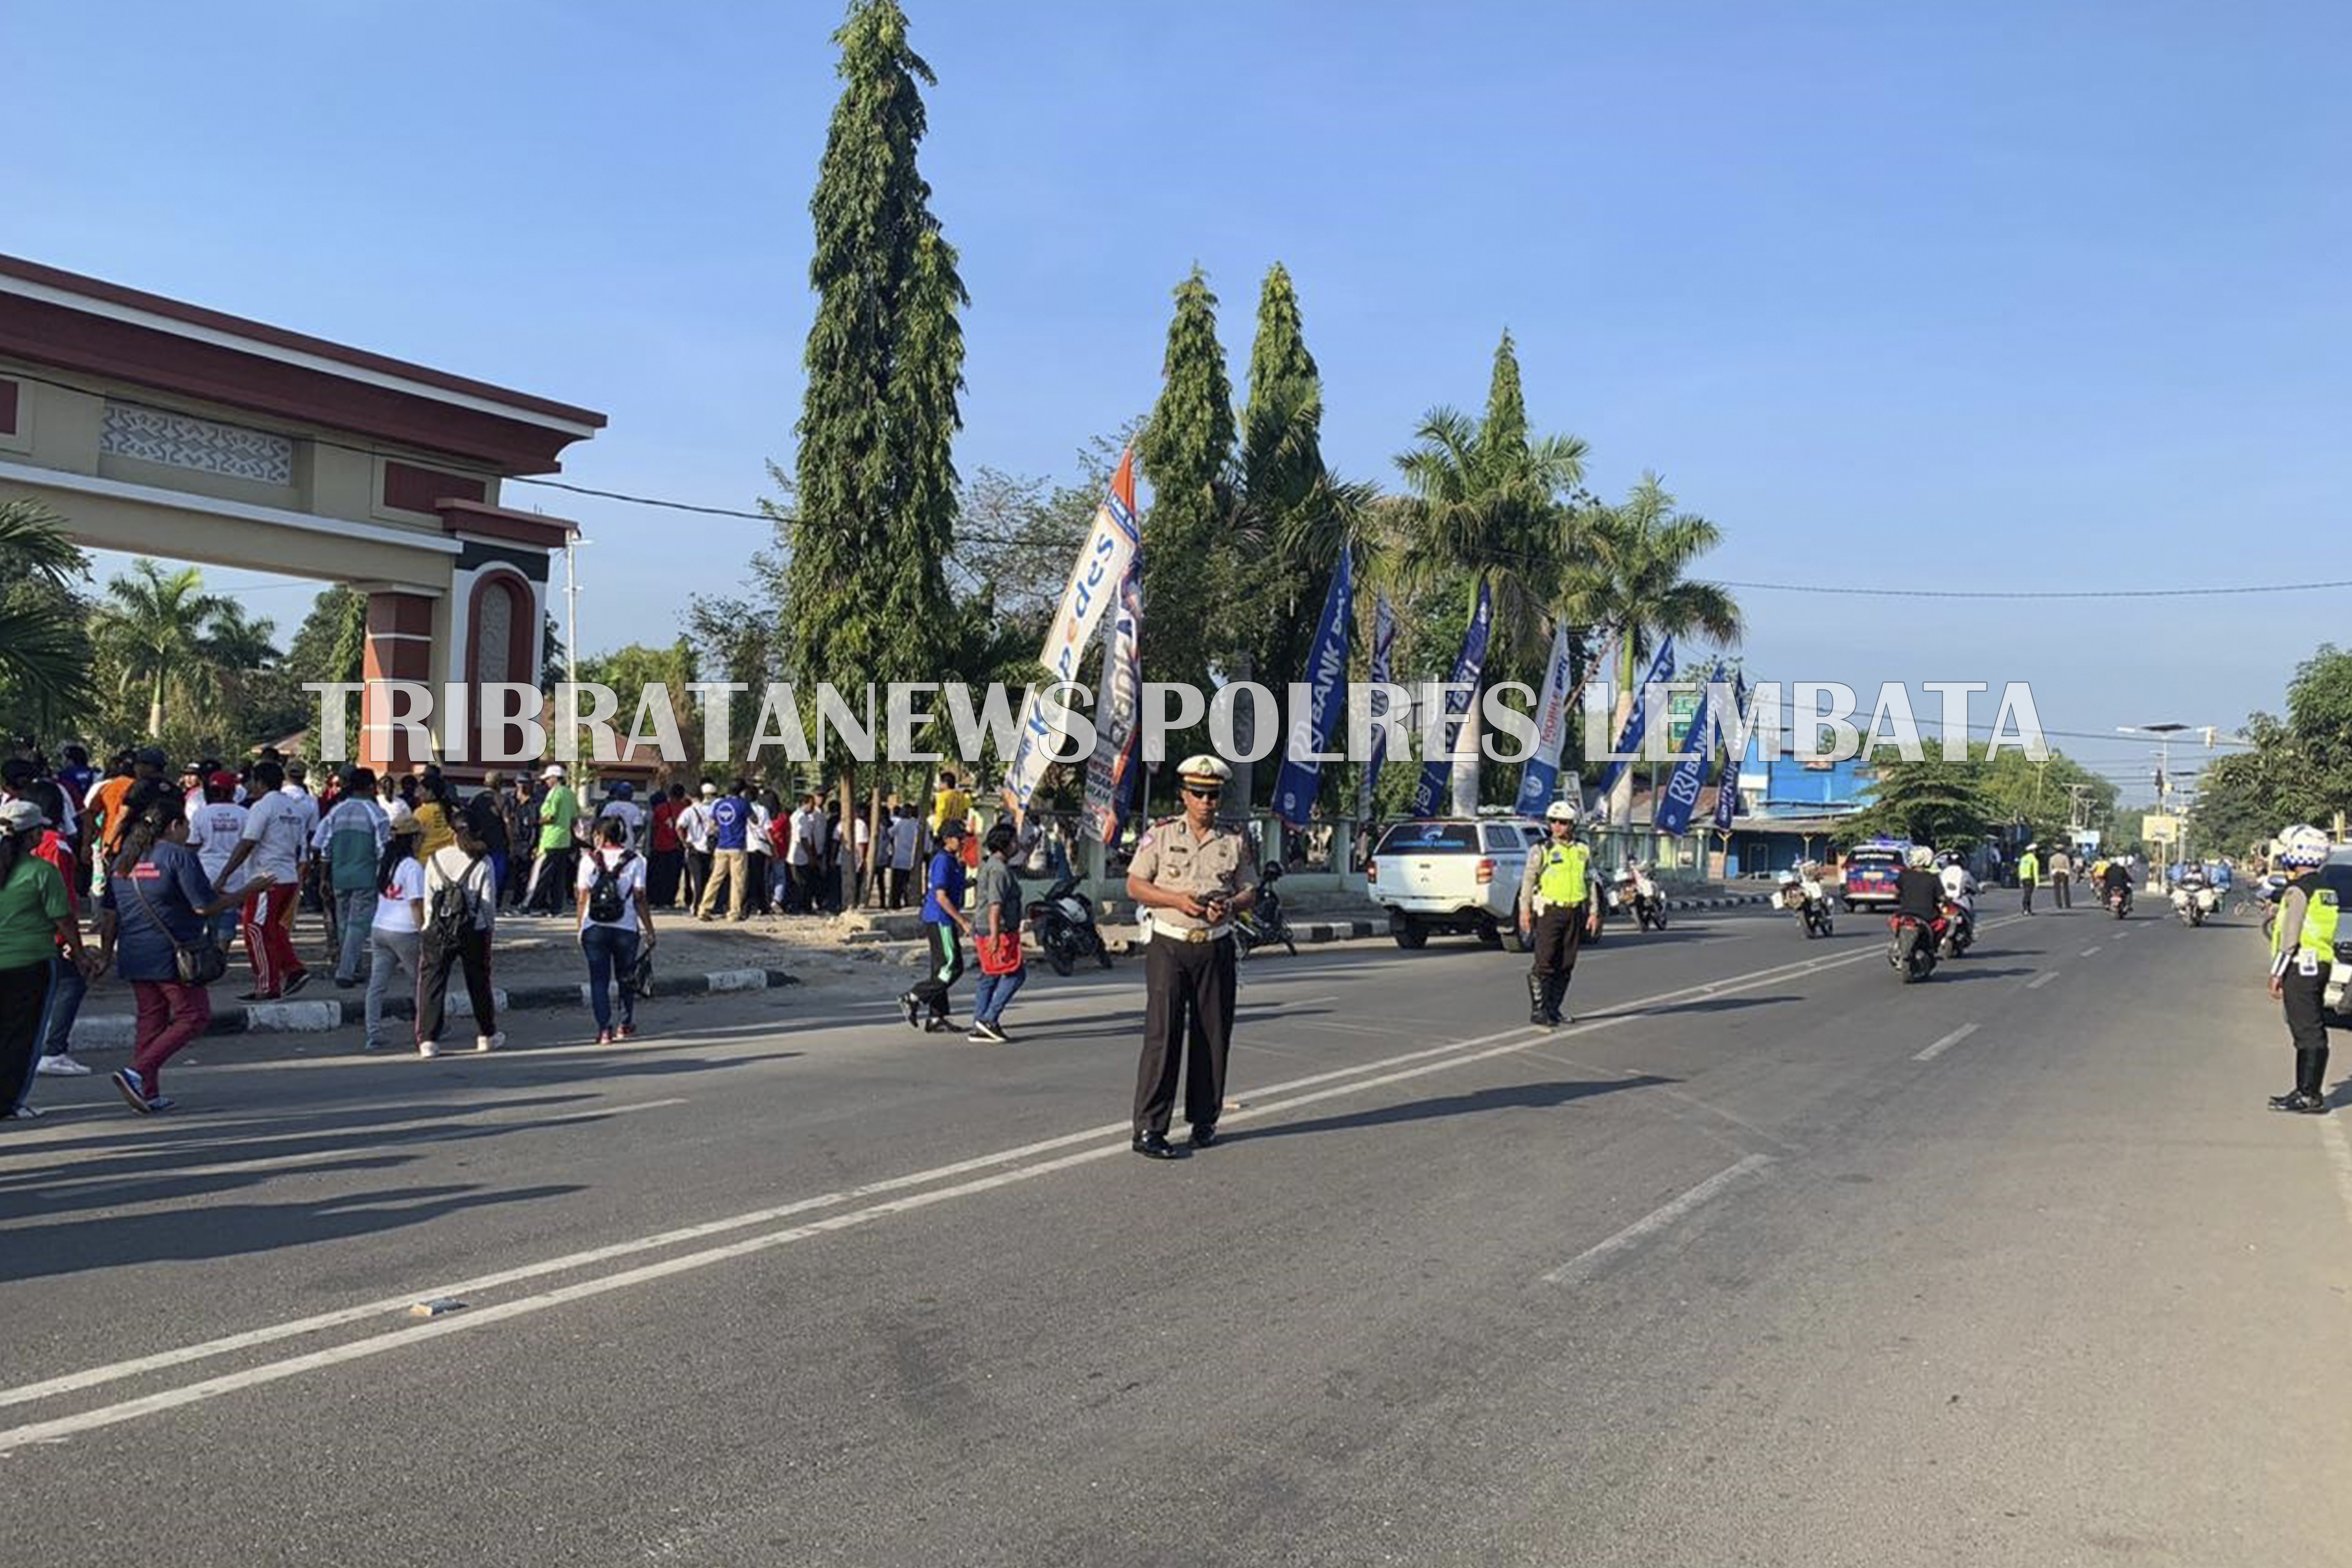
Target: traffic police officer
[(2303, 947), (1188, 878), (1553, 909)]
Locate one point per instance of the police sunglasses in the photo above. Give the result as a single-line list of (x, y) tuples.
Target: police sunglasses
[(1199, 793)]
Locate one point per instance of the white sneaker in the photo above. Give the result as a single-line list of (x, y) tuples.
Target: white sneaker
[(489, 1042), (61, 1066), (427, 1048)]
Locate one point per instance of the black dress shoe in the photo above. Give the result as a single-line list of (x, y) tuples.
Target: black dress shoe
[(2301, 1103), (1155, 1146), (1204, 1137)]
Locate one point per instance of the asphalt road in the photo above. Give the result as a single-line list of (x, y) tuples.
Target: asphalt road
[(1768, 1259)]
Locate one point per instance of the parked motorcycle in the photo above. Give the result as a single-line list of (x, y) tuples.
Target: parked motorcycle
[(1263, 924), (1911, 949), (1063, 923)]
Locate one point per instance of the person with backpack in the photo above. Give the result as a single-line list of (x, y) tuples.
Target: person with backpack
[(155, 929), (396, 924), (349, 841), (461, 904), (616, 924)]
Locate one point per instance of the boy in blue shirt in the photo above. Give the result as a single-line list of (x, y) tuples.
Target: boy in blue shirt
[(945, 929)]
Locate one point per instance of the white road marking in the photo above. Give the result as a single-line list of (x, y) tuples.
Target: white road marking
[(2039, 980), (1453, 1054), (1649, 1225), (2090, 951), (1946, 1044)]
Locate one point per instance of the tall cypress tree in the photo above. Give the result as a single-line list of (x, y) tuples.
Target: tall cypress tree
[(1187, 449), (874, 515), (1503, 434)]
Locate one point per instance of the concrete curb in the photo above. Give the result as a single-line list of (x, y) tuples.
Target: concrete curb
[(309, 1014)]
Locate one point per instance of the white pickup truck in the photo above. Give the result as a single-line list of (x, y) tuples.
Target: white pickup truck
[(1452, 875)]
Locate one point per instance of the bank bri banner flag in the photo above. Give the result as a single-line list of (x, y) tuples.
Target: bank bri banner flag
[(1384, 631), (1467, 666), (1327, 684), (1111, 546), (1726, 788), (1662, 668), (1540, 776), (1673, 813)]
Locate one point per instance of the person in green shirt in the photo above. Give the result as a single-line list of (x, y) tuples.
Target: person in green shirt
[(551, 875), (37, 923)]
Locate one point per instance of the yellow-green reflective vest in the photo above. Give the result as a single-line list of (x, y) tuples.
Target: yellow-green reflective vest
[(1562, 879), (2029, 869), (2318, 936)]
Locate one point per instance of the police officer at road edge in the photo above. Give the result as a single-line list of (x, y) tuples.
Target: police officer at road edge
[(1553, 910), (2303, 947), (1188, 878)]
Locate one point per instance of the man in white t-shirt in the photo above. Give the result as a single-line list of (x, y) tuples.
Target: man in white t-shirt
[(905, 834), (624, 808), (799, 890), (694, 827), (276, 841), (214, 830)]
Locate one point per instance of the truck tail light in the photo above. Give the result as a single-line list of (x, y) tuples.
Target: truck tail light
[(1372, 870), (1486, 872)]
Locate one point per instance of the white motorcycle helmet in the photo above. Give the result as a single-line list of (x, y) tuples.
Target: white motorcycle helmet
[(2303, 845), (1922, 858), (1560, 811)]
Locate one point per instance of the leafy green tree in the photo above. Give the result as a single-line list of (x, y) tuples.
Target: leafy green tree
[(1186, 449), (872, 524), (44, 652), (1931, 801), (1483, 500), (1632, 575), (332, 642), (2299, 768), (151, 629)]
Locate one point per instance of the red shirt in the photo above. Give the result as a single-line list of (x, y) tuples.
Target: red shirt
[(665, 824), (54, 849)]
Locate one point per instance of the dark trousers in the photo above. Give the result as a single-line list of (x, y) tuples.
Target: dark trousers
[(947, 967), (2305, 995), (2025, 890), (899, 876), (1188, 996), (698, 876), (2062, 890), (550, 883), (664, 868), (1554, 938), (23, 991), (437, 956)]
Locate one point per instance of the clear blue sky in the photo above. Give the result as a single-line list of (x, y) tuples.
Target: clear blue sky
[(1984, 296)]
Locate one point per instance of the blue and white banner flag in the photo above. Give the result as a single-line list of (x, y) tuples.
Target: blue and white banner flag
[(1673, 813), (1540, 776), (1327, 681), (1119, 705), (1384, 631), (1102, 565), (1726, 797), (1662, 669), (1467, 666)]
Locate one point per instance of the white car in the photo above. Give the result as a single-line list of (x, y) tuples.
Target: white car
[(1450, 875)]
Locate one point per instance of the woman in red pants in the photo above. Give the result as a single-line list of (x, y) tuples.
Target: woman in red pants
[(159, 900)]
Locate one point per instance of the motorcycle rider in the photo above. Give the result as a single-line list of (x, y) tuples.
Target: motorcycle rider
[(1556, 896), (2303, 948), (2116, 880), (1919, 892), (1959, 889)]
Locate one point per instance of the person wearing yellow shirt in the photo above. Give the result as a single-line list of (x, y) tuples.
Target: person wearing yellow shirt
[(949, 803)]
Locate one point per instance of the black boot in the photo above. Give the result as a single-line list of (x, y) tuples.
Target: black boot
[(1538, 1011), (2311, 1071), (1553, 993)]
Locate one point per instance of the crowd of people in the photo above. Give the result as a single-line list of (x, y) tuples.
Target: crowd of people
[(165, 874)]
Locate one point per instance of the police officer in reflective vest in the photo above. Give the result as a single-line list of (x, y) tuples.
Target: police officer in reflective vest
[(2303, 946), (1188, 877), (1553, 909)]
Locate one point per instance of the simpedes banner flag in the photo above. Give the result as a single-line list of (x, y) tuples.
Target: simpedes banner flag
[(1541, 774), (1727, 798), (1326, 682), (1122, 701), (1467, 666), (1384, 631), (1662, 668), (1110, 549)]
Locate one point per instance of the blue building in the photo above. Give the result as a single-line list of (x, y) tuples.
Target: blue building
[(1789, 809)]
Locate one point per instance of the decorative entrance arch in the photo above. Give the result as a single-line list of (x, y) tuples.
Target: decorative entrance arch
[(153, 426)]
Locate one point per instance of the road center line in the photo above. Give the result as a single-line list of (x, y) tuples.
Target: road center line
[(1642, 1230), (2039, 980), (1946, 1044), (2091, 950), (1454, 1054)]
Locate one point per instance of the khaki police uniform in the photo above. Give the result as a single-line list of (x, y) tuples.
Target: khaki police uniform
[(1188, 973), (1556, 918)]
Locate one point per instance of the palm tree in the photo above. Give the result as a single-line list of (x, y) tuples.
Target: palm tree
[(1632, 578), (43, 656), (153, 625), (1485, 501)]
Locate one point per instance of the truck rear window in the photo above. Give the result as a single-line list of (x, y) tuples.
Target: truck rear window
[(1430, 838)]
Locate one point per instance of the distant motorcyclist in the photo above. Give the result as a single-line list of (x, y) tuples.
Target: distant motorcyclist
[(2116, 878), (1959, 888), (1919, 890), (2302, 953)]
